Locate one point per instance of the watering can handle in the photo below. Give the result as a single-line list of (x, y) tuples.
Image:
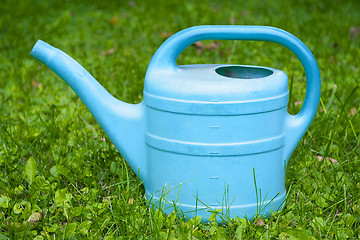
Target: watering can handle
[(295, 125)]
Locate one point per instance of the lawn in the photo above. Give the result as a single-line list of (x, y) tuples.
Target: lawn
[(61, 177)]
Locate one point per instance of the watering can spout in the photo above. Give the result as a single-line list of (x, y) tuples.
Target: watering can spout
[(122, 122)]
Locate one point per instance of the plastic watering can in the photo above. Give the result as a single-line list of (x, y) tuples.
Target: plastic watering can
[(205, 137)]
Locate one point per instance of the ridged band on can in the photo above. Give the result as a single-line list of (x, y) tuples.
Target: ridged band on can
[(215, 149), (216, 106)]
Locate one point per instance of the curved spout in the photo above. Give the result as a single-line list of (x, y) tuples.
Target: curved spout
[(122, 122)]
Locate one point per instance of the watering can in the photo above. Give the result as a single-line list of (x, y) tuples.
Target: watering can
[(206, 138)]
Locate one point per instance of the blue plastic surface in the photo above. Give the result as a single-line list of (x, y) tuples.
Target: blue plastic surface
[(205, 136)]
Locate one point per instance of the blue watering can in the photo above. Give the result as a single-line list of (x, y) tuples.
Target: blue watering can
[(207, 137)]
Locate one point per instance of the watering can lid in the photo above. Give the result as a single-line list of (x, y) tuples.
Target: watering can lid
[(217, 84)]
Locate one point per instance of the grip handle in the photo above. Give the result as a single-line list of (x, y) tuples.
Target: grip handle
[(295, 125)]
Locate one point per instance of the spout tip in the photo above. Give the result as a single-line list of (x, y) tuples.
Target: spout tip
[(42, 51)]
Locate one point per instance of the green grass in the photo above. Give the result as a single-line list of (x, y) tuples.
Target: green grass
[(61, 178)]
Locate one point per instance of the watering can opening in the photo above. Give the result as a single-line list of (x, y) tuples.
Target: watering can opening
[(243, 72)]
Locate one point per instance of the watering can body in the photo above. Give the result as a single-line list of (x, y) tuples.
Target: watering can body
[(206, 137), (216, 138)]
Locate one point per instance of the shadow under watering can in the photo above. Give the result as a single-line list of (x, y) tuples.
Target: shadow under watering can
[(205, 137)]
